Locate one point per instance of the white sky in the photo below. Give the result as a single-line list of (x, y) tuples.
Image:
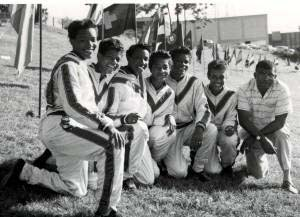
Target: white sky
[(283, 15)]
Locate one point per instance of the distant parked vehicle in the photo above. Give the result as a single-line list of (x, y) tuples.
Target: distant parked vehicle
[(208, 43), (267, 47), (243, 46), (282, 49), (290, 51), (253, 46)]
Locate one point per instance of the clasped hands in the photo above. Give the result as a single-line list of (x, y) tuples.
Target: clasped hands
[(117, 136), (265, 143)]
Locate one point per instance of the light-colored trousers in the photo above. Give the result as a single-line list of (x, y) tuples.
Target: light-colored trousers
[(160, 142), (177, 164), (139, 163), (228, 148), (72, 149), (256, 158)]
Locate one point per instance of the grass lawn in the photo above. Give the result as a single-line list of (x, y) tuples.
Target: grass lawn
[(169, 197)]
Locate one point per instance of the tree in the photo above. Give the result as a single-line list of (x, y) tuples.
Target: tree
[(199, 11), (44, 15), (146, 8), (4, 8), (65, 22)]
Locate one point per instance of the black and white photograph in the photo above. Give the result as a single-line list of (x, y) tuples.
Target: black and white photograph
[(150, 109)]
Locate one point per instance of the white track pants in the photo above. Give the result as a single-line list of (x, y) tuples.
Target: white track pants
[(228, 148), (257, 162), (72, 149), (160, 142), (177, 165), (138, 161)]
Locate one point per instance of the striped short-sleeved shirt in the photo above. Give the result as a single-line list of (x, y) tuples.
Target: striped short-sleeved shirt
[(276, 101)]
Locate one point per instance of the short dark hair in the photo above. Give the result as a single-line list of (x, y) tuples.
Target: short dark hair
[(160, 54), (77, 25), (110, 44), (180, 50), (216, 65), (135, 47), (264, 64)]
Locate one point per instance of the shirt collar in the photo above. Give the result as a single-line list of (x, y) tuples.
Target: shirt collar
[(128, 70)]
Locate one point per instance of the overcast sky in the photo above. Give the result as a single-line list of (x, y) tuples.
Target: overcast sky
[(283, 15)]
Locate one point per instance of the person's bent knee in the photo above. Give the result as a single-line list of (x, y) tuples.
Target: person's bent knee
[(177, 173), (77, 192), (213, 169), (228, 141), (258, 174), (149, 180), (212, 130), (75, 189)]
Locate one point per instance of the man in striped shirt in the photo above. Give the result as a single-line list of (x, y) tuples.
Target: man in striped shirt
[(160, 99), (75, 131), (263, 106), (222, 104), (192, 116)]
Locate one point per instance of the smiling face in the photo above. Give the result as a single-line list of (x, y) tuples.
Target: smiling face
[(85, 42), (109, 61), (160, 69), (139, 60), (216, 79), (181, 64)]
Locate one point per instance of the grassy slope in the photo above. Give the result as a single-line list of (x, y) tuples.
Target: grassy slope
[(169, 197)]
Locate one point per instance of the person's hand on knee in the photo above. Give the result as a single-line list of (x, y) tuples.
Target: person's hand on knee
[(267, 145), (197, 138), (117, 138), (171, 123)]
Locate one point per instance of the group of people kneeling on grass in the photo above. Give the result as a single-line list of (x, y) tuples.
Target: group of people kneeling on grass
[(136, 128)]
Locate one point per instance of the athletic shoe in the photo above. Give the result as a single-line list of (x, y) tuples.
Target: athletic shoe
[(241, 175), (162, 168), (112, 213), (13, 175), (129, 184), (289, 186), (203, 177), (227, 172)]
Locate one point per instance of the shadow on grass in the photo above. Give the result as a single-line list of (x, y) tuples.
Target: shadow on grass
[(15, 198), (32, 68), (218, 183), (37, 68), (12, 85), (27, 213)]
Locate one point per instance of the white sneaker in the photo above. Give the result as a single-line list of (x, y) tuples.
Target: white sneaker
[(289, 186)]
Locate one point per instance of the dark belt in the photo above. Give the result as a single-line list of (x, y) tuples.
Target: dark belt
[(182, 125), (62, 113)]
